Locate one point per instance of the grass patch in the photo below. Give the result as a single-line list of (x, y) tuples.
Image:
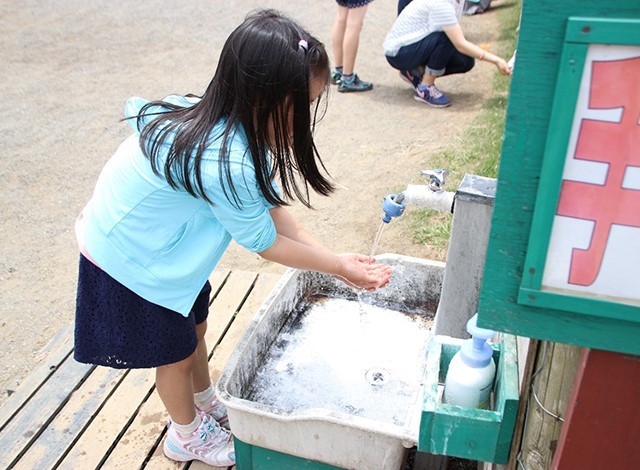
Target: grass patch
[(478, 150), (432, 228)]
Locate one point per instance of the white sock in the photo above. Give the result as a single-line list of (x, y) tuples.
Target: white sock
[(204, 399), (187, 429)]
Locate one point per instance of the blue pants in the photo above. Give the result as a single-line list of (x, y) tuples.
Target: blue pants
[(402, 4), (436, 53)]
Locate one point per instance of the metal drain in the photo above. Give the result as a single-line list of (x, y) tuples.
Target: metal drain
[(377, 376)]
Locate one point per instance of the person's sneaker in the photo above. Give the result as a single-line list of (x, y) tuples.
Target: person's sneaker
[(218, 412), (210, 443), (336, 77), (355, 84), (409, 77), (432, 96)]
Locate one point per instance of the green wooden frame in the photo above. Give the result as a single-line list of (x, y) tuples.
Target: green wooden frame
[(470, 433), (580, 34)]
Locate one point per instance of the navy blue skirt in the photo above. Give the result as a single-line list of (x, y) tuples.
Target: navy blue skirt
[(117, 328), (353, 3)]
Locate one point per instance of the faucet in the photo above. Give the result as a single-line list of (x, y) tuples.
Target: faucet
[(429, 196), (436, 178), (393, 206)]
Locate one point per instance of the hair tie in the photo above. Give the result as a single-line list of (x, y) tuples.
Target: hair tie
[(302, 44)]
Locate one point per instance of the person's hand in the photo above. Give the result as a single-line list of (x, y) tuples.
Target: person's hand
[(503, 67), (361, 272)]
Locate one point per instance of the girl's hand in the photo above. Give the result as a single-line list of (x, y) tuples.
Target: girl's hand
[(359, 271), (503, 67)]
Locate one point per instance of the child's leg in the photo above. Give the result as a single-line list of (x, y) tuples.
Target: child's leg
[(177, 382), (192, 435), (201, 377), (205, 394), (351, 41), (175, 387), (337, 35)]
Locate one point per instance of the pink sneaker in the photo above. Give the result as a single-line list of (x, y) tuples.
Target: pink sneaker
[(218, 412), (210, 443)]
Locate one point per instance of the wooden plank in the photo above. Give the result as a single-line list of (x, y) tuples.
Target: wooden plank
[(97, 440), (552, 385), (148, 426), (217, 280), (49, 359), (27, 425), (73, 416), (58, 437), (111, 432), (142, 437), (143, 426), (526, 363), (224, 306), (262, 287), (158, 461)]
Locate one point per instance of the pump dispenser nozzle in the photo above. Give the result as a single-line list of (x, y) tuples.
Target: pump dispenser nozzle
[(476, 352)]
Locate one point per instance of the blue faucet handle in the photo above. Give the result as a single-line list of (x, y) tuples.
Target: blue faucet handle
[(393, 206)]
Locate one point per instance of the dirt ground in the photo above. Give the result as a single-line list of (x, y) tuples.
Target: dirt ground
[(69, 65)]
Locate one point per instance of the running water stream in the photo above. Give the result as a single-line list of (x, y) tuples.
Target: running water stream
[(374, 247)]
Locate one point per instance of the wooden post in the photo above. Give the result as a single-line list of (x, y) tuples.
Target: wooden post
[(527, 353), (602, 428), (552, 377)]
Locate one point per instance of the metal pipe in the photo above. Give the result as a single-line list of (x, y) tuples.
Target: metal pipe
[(420, 195)]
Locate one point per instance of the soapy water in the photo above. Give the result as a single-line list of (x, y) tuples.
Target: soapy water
[(402, 294), (330, 356)]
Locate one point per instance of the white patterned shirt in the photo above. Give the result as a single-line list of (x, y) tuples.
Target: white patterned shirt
[(419, 19)]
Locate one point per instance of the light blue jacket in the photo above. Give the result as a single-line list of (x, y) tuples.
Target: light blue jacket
[(163, 243)]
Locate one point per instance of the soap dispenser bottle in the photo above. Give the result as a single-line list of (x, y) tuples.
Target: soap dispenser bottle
[(471, 372)]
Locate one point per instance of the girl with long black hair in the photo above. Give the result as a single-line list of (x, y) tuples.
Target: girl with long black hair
[(196, 173)]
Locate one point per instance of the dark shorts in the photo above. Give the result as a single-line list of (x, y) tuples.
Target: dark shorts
[(353, 3), (117, 328)]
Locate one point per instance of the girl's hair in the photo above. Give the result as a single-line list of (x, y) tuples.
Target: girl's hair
[(262, 76)]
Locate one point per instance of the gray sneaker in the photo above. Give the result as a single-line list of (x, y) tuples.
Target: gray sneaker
[(336, 77), (355, 84)]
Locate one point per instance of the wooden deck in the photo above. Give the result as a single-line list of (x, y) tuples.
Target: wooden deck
[(75, 416)]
